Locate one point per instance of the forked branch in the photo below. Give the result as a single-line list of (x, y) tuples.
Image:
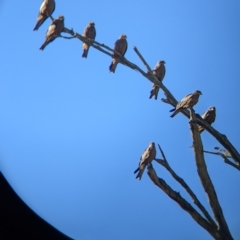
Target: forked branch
[(206, 180)]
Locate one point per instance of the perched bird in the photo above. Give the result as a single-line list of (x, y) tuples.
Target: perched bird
[(120, 47), (147, 157), (89, 32), (187, 102), (225, 152), (54, 31), (209, 116), (46, 9), (159, 71)]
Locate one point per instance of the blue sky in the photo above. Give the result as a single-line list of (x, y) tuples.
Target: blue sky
[(72, 133)]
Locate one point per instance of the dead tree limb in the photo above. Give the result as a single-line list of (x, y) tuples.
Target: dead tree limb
[(166, 165), (206, 180), (226, 160), (183, 204), (221, 138)]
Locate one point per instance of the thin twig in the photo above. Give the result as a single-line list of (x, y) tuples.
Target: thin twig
[(165, 164), (67, 37), (226, 160), (182, 203)]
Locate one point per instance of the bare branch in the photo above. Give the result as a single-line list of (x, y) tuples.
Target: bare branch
[(205, 178), (67, 37), (165, 164), (143, 60), (183, 203), (221, 138), (226, 160), (170, 98)]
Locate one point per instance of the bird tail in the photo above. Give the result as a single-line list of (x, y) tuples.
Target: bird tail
[(175, 113), (85, 53), (113, 66), (154, 92), (43, 46), (136, 170), (40, 21), (139, 175), (85, 50)]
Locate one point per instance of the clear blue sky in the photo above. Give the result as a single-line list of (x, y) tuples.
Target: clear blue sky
[(71, 133)]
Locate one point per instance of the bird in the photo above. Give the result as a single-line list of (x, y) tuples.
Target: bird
[(209, 116), (159, 71), (187, 102), (225, 152), (147, 157), (46, 9), (54, 31), (89, 32), (120, 47)]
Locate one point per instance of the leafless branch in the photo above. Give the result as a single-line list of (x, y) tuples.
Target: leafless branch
[(226, 160), (205, 178), (222, 232), (165, 164), (170, 98), (183, 203), (67, 37)]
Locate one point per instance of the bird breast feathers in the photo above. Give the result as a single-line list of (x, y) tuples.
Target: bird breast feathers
[(43, 7), (51, 29), (120, 45), (184, 101), (209, 116)]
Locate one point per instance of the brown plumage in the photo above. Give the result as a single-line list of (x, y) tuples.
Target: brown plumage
[(187, 102), (120, 47), (225, 152), (209, 116), (147, 157), (159, 71), (46, 9), (89, 32), (54, 31)]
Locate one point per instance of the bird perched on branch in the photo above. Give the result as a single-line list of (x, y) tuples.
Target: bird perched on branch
[(54, 31), (159, 71), (209, 116), (147, 157), (89, 32), (46, 9), (187, 102), (225, 152), (120, 47)]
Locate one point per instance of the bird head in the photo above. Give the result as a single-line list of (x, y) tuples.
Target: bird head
[(61, 17), (212, 108), (161, 62), (123, 36), (152, 144), (92, 24), (198, 92)]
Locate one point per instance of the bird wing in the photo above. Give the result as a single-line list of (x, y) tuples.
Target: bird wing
[(209, 116), (91, 33), (120, 46), (160, 72), (43, 8), (52, 29), (184, 102)]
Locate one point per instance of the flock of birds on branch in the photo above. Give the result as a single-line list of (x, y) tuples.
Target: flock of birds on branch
[(56, 27)]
